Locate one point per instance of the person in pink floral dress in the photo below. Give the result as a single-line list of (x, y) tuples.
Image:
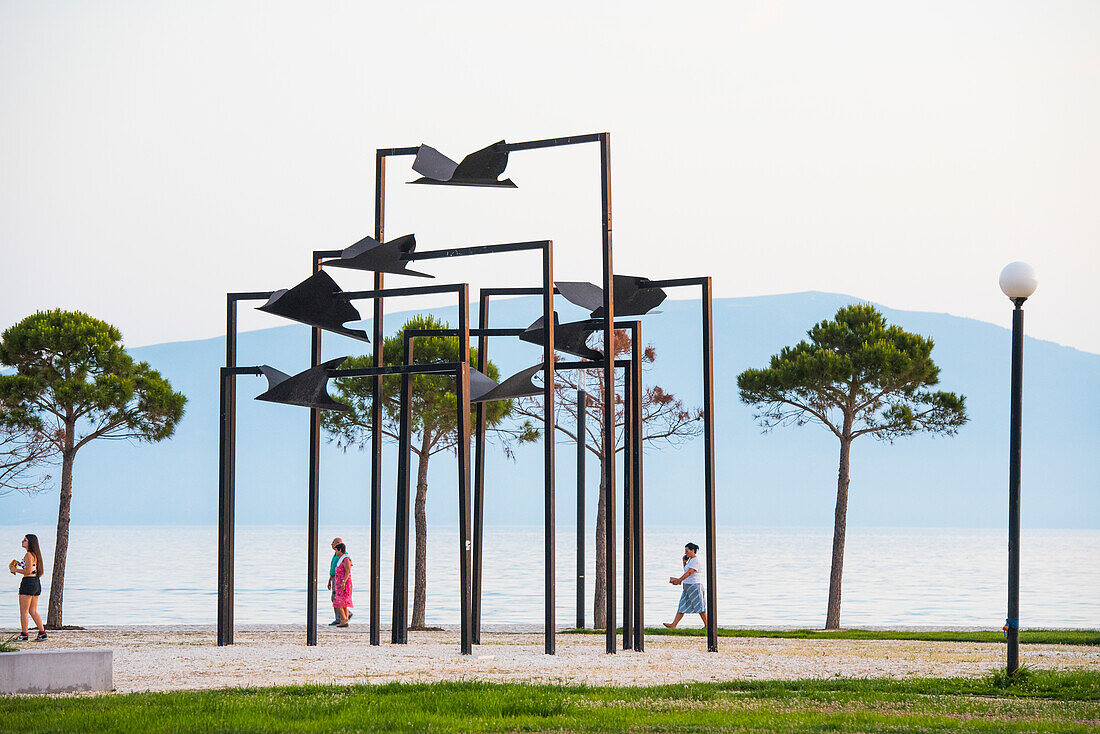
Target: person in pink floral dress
[(341, 586)]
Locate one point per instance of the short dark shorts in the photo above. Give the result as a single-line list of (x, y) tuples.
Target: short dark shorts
[(30, 586)]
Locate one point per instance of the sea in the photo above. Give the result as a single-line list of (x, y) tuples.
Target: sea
[(911, 577)]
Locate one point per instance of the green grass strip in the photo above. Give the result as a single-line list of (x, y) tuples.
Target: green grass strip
[(1042, 701), (1034, 637)]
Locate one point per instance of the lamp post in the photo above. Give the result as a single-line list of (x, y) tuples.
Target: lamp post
[(1017, 281)]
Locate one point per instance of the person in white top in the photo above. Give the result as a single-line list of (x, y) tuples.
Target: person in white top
[(693, 597)]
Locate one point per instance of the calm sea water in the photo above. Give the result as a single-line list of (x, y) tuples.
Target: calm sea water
[(768, 576)]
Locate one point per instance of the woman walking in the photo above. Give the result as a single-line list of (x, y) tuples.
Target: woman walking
[(693, 597), (30, 587), (341, 587)]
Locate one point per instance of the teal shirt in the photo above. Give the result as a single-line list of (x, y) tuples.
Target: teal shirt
[(332, 566)]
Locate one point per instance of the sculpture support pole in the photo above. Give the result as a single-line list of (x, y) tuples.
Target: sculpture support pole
[(399, 623), (708, 468), (227, 478), (376, 417), (635, 419), (462, 394), (479, 469), (550, 524), (628, 508), (582, 409), (313, 496), (609, 392)]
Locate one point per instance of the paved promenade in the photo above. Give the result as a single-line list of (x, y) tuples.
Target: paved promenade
[(170, 658)]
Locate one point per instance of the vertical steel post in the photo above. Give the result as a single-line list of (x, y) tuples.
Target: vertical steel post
[(227, 477), (582, 410), (313, 490), (636, 482), (1014, 450), (479, 469), (548, 438), (628, 509), (462, 395), (708, 468), (609, 391), (376, 416), (399, 624)]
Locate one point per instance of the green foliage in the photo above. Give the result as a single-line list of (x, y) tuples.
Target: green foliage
[(73, 379), (1033, 637), (856, 375), (1053, 701), (7, 646), (433, 405)]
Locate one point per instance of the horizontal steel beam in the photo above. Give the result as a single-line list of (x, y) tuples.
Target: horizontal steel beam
[(398, 369), (555, 142), (674, 282), (412, 290), (249, 296), (240, 371), (476, 250)]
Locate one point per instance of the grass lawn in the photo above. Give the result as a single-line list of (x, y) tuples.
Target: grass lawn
[(1037, 636), (1039, 701)]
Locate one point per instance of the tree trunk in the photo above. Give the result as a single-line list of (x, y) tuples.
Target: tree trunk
[(599, 603), (420, 520), (61, 546), (840, 524)]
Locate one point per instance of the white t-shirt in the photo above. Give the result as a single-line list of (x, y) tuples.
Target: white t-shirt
[(697, 577)]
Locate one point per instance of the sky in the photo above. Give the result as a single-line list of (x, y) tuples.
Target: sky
[(155, 155)]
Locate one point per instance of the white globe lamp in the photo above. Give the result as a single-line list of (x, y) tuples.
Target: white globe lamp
[(1018, 280)]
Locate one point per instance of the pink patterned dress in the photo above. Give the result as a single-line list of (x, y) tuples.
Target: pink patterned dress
[(341, 596)]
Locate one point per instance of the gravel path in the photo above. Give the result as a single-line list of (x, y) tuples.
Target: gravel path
[(158, 659)]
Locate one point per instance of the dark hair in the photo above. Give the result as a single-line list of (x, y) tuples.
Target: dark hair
[(341, 547), (33, 547), (694, 548)]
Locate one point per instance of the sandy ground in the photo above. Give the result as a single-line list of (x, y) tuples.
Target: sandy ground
[(170, 658)]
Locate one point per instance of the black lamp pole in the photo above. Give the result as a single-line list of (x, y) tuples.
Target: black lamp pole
[(1012, 624)]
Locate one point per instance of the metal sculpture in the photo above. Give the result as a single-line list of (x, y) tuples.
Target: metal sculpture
[(380, 257), (308, 388), (571, 338), (518, 385), (634, 296), (319, 303), (480, 168), (316, 302)]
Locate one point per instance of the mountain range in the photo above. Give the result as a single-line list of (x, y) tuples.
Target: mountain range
[(783, 478)]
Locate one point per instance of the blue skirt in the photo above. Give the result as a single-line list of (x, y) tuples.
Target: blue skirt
[(692, 599)]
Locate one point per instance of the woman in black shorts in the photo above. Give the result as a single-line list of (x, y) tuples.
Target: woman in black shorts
[(30, 588)]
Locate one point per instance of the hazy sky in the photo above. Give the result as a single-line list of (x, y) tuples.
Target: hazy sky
[(154, 155)]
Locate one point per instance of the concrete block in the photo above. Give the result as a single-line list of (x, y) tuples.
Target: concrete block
[(57, 671)]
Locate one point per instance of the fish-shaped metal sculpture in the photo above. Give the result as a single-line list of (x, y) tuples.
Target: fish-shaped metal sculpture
[(633, 295), (308, 388), (518, 385), (571, 338), (316, 302), (481, 168), (274, 376), (381, 257)]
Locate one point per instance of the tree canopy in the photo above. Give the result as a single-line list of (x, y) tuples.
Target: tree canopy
[(433, 402), (856, 375), (73, 371)]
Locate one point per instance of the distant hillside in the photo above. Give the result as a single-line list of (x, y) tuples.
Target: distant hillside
[(787, 477)]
